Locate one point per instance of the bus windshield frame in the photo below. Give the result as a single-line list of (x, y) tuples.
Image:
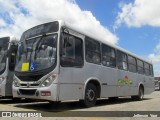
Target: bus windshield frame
[(37, 51), (4, 44)]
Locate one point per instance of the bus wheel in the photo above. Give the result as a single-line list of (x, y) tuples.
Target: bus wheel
[(90, 95), (140, 95)]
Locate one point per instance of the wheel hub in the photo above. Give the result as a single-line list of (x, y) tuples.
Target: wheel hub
[(90, 95)]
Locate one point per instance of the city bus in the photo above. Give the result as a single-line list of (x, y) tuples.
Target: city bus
[(8, 51), (57, 62)]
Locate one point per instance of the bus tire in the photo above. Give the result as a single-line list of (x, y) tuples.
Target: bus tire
[(90, 95), (140, 95)]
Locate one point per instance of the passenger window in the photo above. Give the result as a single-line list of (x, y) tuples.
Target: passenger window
[(151, 70), (108, 56), (140, 67), (146, 69), (132, 64), (69, 47), (71, 51), (122, 60), (92, 49)]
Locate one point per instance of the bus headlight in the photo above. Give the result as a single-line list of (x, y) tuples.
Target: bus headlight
[(2, 78), (48, 81), (16, 82)]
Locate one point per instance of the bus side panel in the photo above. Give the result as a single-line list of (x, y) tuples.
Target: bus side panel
[(133, 85), (104, 75), (8, 86), (149, 85), (109, 81), (73, 80), (70, 92), (71, 83), (123, 87), (140, 80)]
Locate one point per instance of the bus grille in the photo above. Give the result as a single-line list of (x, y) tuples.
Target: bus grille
[(30, 78), (25, 85), (27, 92)]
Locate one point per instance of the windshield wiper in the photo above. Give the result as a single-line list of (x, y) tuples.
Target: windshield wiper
[(37, 46)]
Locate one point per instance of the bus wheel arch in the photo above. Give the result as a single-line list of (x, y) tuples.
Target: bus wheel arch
[(140, 95), (96, 83), (141, 91), (91, 92)]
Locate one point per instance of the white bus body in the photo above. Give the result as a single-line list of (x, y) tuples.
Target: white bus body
[(75, 73), (8, 50)]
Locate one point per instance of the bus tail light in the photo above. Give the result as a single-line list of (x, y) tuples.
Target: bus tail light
[(45, 93)]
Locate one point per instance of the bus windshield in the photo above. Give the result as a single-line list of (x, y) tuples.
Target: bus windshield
[(3, 52), (37, 53)]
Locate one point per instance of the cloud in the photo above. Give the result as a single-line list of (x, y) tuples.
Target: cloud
[(139, 13), (2, 23), (20, 15), (156, 69), (155, 58)]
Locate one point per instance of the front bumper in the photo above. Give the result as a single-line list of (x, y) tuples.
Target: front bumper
[(35, 92)]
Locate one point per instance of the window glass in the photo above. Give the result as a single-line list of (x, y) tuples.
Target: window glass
[(132, 64), (122, 60), (92, 49), (38, 53), (140, 67), (71, 51), (151, 70), (146, 68), (69, 47), (3, 52), (41, 29), (108, 56)]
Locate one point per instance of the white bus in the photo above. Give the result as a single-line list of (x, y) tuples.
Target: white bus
[(8, 51), (57, 62)]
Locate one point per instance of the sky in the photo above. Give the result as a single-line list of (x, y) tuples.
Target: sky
[(131, 24)]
